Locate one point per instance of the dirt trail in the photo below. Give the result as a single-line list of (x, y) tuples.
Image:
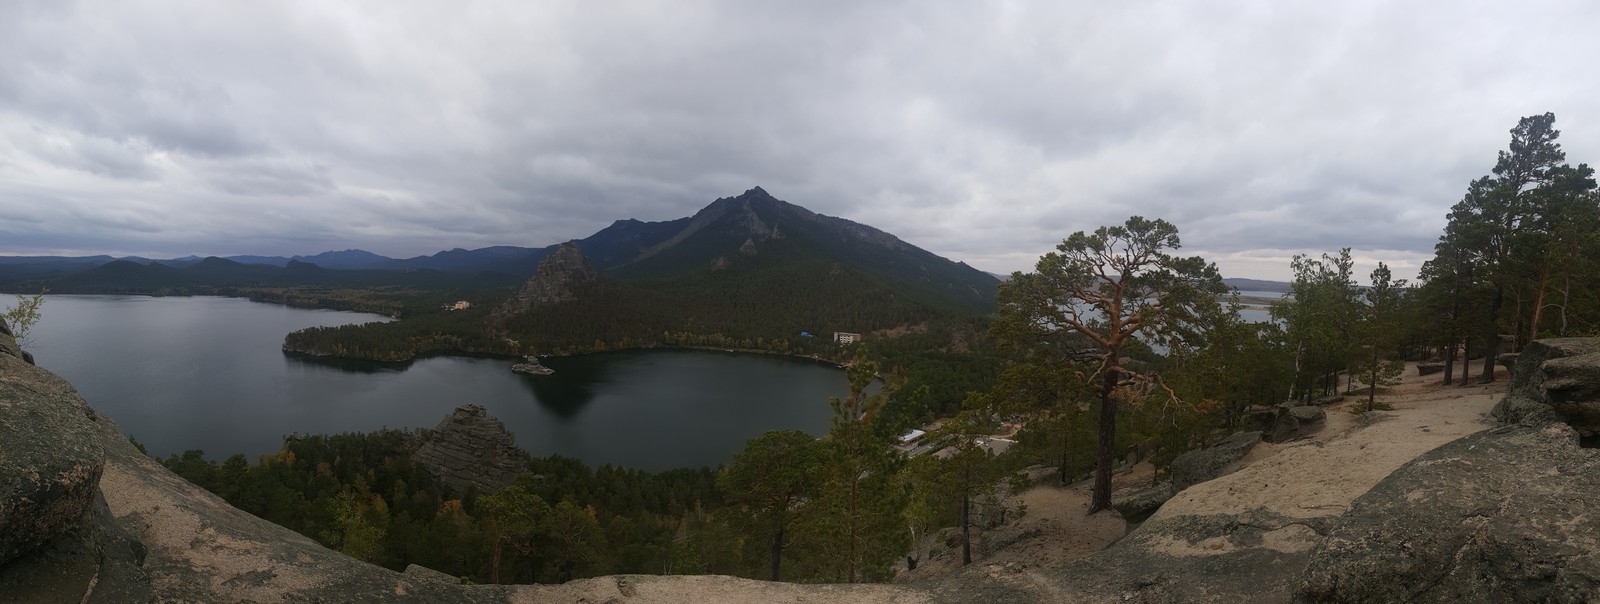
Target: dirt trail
[(1321, 475), (1317, 475)]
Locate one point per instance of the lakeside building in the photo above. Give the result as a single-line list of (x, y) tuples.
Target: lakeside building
[(845, 337), (911, 436)]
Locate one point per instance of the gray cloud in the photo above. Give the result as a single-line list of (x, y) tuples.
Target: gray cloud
[(982, 131)]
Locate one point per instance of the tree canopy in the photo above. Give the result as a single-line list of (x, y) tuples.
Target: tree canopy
[(1103, 291)]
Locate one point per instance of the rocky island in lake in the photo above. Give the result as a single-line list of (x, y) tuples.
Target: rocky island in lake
[(531, 366)]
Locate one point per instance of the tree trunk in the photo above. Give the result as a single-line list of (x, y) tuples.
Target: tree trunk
[(1294, 386), (1492, 346), (966, 520), (1466, 360), (1066, 443), (777, 553), (1450, 360), (1566, 298), (1538, 309), (1100, 499), (494, 564), (850, 562), (1372, 381)]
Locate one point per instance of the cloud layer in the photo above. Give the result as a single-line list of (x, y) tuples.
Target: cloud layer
[(985, 132)]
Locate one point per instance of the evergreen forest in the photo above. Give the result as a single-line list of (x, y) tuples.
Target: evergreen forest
[(1113, 346)]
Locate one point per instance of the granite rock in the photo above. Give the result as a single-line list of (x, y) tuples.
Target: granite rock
[(470, 449)]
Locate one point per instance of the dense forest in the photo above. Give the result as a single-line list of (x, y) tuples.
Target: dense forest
[(1169, 367), (832, 509)]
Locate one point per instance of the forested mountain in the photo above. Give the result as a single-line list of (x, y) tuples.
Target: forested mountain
[(742, 245), (752, 269), (748, 272), (755, 231)]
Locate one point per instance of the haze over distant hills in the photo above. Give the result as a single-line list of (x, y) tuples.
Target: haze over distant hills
[(730, 236), (751, 230)]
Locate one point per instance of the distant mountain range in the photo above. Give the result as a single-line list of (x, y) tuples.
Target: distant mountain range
[(732, 236), (1258, 285)]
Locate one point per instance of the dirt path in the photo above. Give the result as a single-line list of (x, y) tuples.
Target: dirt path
[(1314, 476)]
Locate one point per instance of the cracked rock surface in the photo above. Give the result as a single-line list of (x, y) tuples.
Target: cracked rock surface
[(1499, 516)]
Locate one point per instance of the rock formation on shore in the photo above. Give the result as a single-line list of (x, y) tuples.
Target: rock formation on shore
[(555, 280), (530, 365), (472, 449)]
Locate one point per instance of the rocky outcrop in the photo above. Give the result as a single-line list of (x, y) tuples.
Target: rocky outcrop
[(1307, 415), (1558, 378), (1255, 556), (557, 279), (8, 345), (1498, 516), (1287, 421), (1502, 515), (470, 449), (58, 541), (1139, 505), (1194, 467), (1430, 367), (93, 561), (51, 462), (1507, 360), (1188, 469)]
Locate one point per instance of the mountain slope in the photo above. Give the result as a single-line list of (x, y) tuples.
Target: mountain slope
[(756, 231), (748, 272)]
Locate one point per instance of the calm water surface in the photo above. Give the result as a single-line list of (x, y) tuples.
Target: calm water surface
[(208, 373)]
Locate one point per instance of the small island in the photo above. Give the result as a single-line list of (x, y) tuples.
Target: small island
[(531, 366)]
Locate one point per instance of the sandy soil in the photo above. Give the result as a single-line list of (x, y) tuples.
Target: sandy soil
[(1315, 475), (1056, 530), (1321, 475)]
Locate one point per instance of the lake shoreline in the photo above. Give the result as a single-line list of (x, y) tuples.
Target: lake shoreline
[(208, 373)]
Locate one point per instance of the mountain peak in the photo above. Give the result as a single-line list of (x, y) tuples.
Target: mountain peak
[(757, 192)]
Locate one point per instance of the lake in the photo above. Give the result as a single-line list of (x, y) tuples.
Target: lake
[(208, 373)]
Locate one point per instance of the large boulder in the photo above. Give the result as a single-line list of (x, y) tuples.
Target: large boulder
[(1507, 360), (1503, 515), (50, 458), (1284, 422), (1194, 467), (94, 561), (1560, 373), (1307, 415), (1139, 505), (470, 449), (58, 540)]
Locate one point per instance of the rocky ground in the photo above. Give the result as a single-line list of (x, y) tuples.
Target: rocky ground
[(1246, 536)]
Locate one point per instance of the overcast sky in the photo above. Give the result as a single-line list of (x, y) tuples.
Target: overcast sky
[(982, 131)]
